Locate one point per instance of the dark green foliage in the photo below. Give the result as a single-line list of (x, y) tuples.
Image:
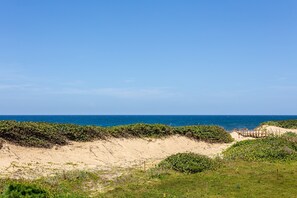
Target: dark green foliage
[(39, 134), (270, 149), (80, 133), (288, 124), (19, 190), (31, 134), (46, 134), (188, 163), (206, 133), (141, 130)]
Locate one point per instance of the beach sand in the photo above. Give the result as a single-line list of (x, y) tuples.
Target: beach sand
[(277, 130), (30, 163)]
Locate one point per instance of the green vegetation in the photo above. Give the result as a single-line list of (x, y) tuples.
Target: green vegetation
[(288, 124), (283, 148), (234, 179), (19, 190), (141, 130), (69, 184), (46, 135), (206, 133), (253, 168), (188, 163), (264, 167), (231, 179)]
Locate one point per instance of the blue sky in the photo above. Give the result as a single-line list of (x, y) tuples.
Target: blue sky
[(148, 57)]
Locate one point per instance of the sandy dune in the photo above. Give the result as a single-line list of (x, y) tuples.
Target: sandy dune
[(23, 162), (277, 130)]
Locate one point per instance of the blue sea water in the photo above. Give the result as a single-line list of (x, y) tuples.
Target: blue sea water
[(229, 122)]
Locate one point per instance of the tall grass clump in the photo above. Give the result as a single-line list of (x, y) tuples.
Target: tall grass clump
[(289, 124), (188, 163), (283, 148), (40, 134)]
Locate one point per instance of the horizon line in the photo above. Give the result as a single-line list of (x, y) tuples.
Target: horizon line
[(149, 115)]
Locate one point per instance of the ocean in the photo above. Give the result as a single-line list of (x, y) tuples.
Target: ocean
[(229, 122)]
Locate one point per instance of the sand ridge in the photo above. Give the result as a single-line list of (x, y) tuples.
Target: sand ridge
[(277, 130), (25, 162)]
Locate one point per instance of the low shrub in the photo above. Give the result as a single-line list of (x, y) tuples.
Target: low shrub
[(80, 133), (288, 124), (39, 134), (188, 163), (141, 130), (18, 190), (283, 148), (206, 133), (30, 134)]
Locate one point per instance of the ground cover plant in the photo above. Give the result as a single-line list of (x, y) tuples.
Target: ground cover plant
[(20, 190), (69, 184), (206, 133), (289, 124), (39, 134), (188, 163), (232, 179), (274, 148)]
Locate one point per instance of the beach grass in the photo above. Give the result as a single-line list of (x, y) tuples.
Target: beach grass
[(272, 148), (232, 179), (39, 134), (288, 124), (188, 163)]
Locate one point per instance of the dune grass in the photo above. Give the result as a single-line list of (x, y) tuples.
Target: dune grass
[(232, 179), (16, 190), (69, 184), (283, 148), (38, 134), (288, 124), (188, 163)]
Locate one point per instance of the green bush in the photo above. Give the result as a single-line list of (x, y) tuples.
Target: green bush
[(80, 133), (30, 134), (206, 133), (141, 130), (283, 148), (188, 163), (24, 191), (288, 124), (39, 134)]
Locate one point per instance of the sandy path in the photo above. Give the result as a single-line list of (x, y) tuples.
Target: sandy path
[(23, 162)]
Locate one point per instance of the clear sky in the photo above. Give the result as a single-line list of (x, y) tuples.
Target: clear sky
[(148, 57)]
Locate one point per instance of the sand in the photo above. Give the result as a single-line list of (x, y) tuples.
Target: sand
[(277, 130), (30, 163)]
